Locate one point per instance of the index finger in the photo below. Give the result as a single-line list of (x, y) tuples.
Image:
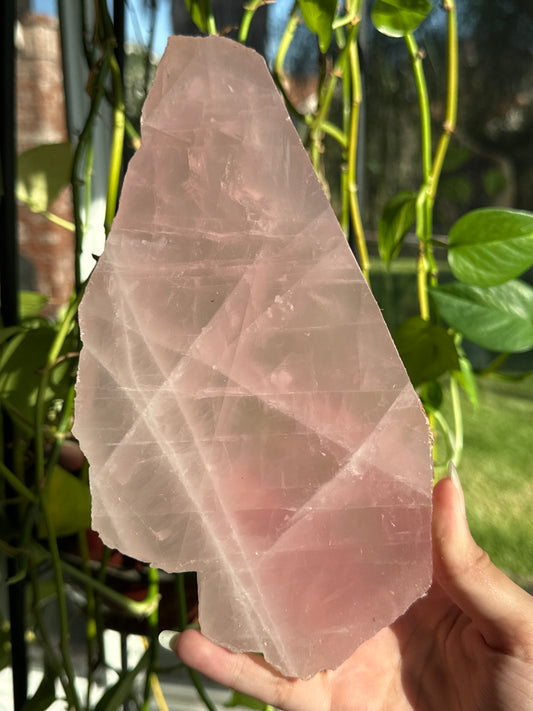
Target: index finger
[(249, 674)]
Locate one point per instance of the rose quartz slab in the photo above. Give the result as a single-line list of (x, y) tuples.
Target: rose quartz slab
[(240, 400)]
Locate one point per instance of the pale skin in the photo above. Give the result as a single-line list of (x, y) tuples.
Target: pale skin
[(466, 646)]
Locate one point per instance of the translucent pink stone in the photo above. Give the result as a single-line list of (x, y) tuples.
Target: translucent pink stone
[(241, 403)]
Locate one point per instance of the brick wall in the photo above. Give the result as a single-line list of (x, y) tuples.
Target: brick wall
[(46, 249)]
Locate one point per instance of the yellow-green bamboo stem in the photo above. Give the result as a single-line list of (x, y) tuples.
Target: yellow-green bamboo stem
[(335, 132), (40, 479), (452, 84), (249, 11), (67, 224), (284, 45), (117, 145), (426, 263), (457, 420), (355, 73), (13, 480), (210, 19), (153, 624), (79, 155)]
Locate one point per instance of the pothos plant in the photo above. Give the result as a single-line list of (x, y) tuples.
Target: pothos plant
[(487, 250)]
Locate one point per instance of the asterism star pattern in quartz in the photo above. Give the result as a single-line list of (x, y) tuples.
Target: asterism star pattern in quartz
[(240, 401)]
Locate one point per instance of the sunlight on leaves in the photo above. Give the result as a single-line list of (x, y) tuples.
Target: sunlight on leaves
[(42, 172), (31, 303), (490, 246), (499, 318), (68, 501)]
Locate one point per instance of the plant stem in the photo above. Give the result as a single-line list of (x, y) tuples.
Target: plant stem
[(356, 91), (104, 30), (346, 114), (445, 427), (50, 652), (67, 224), (426, 263), (117, 146), (90, 623), (422, 269), (458, 421), (88, 184), (316, 126), (423, 102), (249, 11), (452, 84), (98, 615), (335, 132), (64, 635), (284, 45), (210, 19), (141, 608), (79, 154), (157, 691), (132, 133), (493, 366), (150, 47), (62, 427), (197, 683), (53, 354), (182, 601), (15, 483), (153, 622), (278, 73)]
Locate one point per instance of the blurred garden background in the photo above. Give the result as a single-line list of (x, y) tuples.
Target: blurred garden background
[(359, 115)]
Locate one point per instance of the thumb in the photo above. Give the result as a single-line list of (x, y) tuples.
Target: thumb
[(501, 610)]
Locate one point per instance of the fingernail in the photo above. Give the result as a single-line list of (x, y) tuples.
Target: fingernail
[(454, 476), (168, 638)]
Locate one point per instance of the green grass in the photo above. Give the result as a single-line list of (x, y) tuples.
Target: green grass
[(497, 473)]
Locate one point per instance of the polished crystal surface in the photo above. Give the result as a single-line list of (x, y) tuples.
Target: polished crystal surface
[(242, 406)]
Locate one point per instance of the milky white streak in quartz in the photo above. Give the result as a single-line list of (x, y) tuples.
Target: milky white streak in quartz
[(240, 401)]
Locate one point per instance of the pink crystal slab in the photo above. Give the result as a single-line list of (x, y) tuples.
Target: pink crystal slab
[(240, 401)]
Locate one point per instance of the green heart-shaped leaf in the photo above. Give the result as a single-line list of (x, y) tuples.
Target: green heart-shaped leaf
[(318, 16), (398, 216), (68, 501), (397, 18), (198, 10), (490, 246), (499, 318), (426, 349), (42, 172)]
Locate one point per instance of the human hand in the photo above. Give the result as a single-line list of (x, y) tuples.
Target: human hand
[(467, 645)]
